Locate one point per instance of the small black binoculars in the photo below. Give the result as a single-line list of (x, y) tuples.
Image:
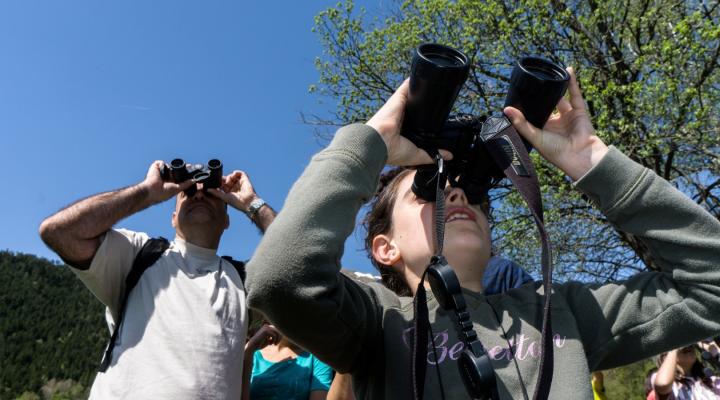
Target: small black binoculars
[(209, 175), (437, 76)]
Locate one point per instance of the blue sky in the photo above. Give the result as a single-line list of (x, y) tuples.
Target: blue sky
[(92, 92)]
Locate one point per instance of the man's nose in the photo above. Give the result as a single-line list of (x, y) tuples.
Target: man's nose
[(199, 193)]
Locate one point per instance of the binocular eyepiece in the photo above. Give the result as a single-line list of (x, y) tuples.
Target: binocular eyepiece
[(209, 175), (437, 75)]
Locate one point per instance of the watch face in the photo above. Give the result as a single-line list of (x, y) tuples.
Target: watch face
[(255, 205)]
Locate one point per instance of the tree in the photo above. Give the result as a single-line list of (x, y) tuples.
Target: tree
[(52, 329), (648, 70)]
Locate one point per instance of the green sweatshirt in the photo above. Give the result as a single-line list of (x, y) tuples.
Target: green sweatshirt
[(294, 279)]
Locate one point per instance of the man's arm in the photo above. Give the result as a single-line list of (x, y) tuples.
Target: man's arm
[(264, 217), (238, 191), (74, 232), (341, 388)]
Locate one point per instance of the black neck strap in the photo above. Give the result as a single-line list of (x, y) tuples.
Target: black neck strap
[(421, 323)]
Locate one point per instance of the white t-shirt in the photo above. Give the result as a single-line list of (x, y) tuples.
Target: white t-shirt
[(185, 324)]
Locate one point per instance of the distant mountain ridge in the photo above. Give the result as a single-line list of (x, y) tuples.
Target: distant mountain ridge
[(51, 326)]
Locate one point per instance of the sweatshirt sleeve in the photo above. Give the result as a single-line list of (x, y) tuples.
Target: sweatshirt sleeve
[(651, 312), (294, 276)]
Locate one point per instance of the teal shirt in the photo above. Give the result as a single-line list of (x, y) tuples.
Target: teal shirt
[(292, 379)]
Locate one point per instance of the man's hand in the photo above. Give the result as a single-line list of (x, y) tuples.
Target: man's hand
[(388, 121), (159, 190), (568, 139), (236, 190)]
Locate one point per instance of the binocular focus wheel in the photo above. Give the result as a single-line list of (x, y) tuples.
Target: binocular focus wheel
[(201, 176)]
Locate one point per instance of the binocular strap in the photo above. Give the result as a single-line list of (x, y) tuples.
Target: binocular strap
[(421, 322), (509, 152)]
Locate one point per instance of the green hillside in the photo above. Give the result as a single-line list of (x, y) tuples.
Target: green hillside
[(51, 326)]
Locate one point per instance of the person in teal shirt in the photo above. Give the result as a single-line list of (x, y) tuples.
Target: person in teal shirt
[(282, 370)]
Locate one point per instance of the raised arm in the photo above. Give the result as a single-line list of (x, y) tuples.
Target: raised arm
[(665, 375), (74, 232), (294, 276), (266, 335), (650, 312)]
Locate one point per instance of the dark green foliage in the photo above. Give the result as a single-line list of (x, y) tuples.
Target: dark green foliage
[(628, 382), (51, 326)]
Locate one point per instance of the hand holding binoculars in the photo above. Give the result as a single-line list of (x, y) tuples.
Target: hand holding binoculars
[(437, 75), (179, 171)]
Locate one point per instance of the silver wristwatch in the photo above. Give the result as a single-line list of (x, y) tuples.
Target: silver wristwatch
[(254, 207)]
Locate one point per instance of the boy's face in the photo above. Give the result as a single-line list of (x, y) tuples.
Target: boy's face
[(467, 232)]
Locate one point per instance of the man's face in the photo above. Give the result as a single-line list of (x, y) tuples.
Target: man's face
[(467, 231), (201, 210)]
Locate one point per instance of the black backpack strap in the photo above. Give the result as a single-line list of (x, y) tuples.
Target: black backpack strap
[(148, 255), (239, 266)]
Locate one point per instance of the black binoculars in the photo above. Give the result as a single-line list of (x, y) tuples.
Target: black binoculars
[(437, 76), (209, 175)]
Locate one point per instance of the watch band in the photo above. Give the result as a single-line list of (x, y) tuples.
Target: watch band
[(254, 207)]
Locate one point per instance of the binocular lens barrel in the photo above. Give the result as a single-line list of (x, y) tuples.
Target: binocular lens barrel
[(178, 172), (216, 171), (536, 86), (437, 75)]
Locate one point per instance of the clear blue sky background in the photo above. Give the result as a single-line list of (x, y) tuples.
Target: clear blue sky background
[(92, 92)]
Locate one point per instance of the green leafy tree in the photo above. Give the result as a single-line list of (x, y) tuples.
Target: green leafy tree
[(648, 70), (628, 382)]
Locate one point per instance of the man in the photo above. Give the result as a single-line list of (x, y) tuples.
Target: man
[(184, 327)]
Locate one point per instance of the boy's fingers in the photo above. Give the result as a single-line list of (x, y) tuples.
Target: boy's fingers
[(524, 128), (576, 99), (564, 105)]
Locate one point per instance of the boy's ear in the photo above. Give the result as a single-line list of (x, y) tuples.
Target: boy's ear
[(385, 251)]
